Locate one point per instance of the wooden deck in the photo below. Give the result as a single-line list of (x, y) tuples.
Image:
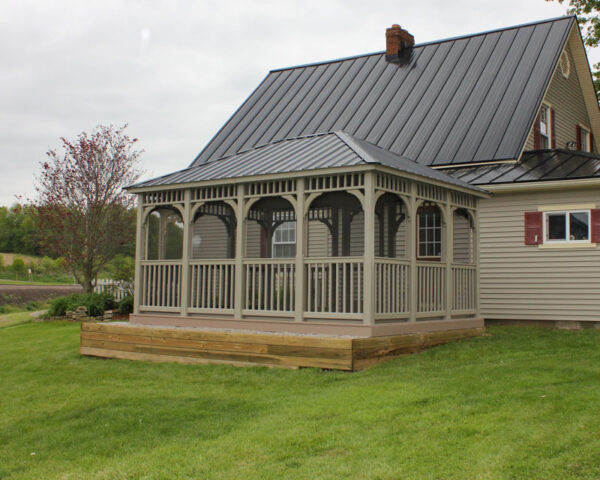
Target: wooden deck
[(195, 345)]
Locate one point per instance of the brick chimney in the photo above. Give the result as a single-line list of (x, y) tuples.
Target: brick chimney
[(398, 42)]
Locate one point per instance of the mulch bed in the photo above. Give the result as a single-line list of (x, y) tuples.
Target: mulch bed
[(19, 294)]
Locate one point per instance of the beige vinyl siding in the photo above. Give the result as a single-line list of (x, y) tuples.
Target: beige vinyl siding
[(209, 238), (525, 282), (565, 97), (319, 239), (462, 240)]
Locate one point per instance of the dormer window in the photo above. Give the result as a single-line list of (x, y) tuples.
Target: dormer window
[(584, 139), (545, 128)]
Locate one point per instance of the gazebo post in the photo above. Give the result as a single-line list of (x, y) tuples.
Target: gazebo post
[(411, 231), (239, 253), (139, 251), (300, 286), (449, 250), (184, 286), (369, 293)]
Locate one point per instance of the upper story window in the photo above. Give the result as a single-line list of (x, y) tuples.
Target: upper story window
[(545, 128), (585, 140), (429, 224), (567, 226)]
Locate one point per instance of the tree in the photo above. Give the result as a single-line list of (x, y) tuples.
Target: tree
[(83, 213), (588, 16)]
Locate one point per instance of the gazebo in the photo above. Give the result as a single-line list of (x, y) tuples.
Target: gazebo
[(317, 239)]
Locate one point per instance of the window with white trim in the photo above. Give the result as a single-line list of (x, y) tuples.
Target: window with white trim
[(586, 144), (545, 133), (429, 225), (284, 240), (567, 226)]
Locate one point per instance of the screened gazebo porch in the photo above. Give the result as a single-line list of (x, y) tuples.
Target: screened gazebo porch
[(363, 250)]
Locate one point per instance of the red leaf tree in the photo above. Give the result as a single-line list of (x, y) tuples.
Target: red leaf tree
[(83, 213)]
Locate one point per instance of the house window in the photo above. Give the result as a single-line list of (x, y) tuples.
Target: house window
[(429, 225), (571, 226), (586, 144), (284, 240), (545, 133)]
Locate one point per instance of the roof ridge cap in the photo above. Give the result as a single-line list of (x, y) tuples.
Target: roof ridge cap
[(431, 42)]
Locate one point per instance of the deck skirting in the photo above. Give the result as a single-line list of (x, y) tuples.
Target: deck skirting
[(200, 345)]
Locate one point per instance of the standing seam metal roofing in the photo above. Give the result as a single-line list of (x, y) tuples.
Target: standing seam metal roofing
[(332, 149), (460, 100), (535, 166)]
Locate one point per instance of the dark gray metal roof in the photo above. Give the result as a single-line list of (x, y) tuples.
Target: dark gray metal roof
[(460, 100), (535, 166), (326, 150)]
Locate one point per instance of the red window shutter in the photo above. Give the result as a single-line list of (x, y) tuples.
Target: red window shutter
[(578, 134), (537, 138), (552, 129), (591, 142), (533, 228), (595, 224)]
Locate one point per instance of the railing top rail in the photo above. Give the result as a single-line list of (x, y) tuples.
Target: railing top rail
[(333, 259), (212, 261), (431, 264), (466, 266), (161, 262), (400, 261), (270, 261)]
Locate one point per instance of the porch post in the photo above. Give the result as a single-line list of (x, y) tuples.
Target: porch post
[(300, 252), (449, 253), (476, 259), (239, 252), (184, 286), (369, 251), (139, 252), (412, 252)]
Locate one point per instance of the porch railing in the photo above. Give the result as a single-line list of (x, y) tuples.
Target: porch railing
[(431, 284), (334, 285), (212, 285), (464, 284), (392, 279), (161, 285), (270, 285)]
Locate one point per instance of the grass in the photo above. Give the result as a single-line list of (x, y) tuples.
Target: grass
[(16, 318), (519, 404)]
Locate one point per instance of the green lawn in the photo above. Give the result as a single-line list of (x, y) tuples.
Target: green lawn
[(11, 319), (519, 404), (4, 281)]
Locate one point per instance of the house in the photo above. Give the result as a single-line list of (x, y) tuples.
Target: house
[(368, 206)]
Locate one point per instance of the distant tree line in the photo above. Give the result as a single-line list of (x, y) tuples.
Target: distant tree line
[(19, 232)]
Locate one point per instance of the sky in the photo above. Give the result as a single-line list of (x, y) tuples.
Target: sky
[(176, 70)]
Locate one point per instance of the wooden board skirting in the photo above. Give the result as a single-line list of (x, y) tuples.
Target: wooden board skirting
[(138, 342)]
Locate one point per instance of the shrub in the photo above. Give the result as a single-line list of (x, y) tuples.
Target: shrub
[(109, 301), (18, 266), (94, 302), (126, 305)]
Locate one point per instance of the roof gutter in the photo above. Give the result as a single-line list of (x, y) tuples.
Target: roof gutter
[(547, 185)]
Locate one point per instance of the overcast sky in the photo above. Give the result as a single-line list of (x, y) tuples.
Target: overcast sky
[(176, 70)]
